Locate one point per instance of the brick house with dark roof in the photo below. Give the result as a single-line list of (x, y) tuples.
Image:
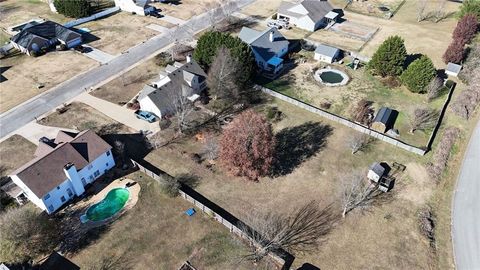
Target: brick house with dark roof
[(35, 37), (62, 167)]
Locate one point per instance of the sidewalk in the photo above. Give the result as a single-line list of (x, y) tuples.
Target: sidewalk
[(117, 113)]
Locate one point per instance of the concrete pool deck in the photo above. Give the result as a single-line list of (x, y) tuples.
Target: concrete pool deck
[(119, 183)]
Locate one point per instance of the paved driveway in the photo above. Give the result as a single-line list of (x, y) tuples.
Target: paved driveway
[(97, 55), (47, 101), (466, 209)]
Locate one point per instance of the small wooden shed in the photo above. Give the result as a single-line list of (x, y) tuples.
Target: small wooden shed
[(384, 120), (376, 172)]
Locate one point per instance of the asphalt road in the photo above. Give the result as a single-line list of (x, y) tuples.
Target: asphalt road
[(47, 101), (466, 209)]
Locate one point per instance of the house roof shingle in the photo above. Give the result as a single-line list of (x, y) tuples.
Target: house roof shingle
[(316, 9), (326, 50), (260, 41), (45, 172), (46, 30)]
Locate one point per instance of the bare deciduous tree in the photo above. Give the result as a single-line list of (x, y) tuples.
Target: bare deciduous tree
[(439, 13), (434, 88), (302, 230), (467, 101), (357, 192), (359, 142), (182, 108), (421, 6), (211, 147), (442, 153), (363, 112), (119, 148), (423, 119), (223, 76)]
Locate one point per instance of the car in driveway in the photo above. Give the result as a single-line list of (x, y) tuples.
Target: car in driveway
[(144, 115)]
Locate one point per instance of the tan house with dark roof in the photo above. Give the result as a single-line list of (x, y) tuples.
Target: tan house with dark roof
[(62, 167)]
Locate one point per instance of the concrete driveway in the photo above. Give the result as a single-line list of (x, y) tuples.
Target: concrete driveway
[(466, 208), (34, 131), (97, 55), (117, 113)]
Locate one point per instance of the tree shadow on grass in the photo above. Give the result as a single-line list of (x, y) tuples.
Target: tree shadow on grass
[(297, 144)]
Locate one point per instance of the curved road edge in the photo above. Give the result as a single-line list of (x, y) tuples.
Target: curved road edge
[(466, 208)]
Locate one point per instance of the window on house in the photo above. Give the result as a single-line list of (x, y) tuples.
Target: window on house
[(108, 153), (63, 199), (50, 208), (69, 192), (46, 197), (96, 173), (58, 187), (90, 166), (106, 164), (84, 182), (91, 177)]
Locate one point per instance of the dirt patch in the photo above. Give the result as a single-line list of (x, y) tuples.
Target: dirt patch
[(14, 152), (13, 12), (336, 39), (122, 89), (419, 188), (25, 75)]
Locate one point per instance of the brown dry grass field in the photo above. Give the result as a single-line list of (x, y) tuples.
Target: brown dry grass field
[(187, 8), (25, 73), (14, 152), (157, 234), (127, 86), (121, 31), (369, 7), (336, 40), (425, 37), (80, 116), (315, 162), (262, 8), (13, 12)]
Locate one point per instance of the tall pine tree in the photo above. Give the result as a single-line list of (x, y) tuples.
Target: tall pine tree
[(419, 74), (389, 58)]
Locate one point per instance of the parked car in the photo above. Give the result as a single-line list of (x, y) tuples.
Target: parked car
[(144, 115), (273, 24)]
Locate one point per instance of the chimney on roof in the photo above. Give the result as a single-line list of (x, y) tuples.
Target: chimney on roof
[(271, 38), (189, 58)]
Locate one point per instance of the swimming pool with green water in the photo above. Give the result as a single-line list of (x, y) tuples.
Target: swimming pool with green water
[(109, 206)]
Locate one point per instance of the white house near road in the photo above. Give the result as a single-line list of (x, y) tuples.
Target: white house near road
[(307, 14), (326, 53), (176, 83), (139, 7), (268, 48), (62, 167)]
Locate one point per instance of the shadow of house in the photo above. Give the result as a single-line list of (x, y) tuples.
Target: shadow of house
[(56, 261), (410, 58), (308, 266), (87, 37), (297, 144), (2, 70)]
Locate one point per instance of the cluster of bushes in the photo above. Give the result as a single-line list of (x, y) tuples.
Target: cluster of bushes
[(73, 8), (468, 100), (163, 59), (462, 35), (390, 60), (442, 153)]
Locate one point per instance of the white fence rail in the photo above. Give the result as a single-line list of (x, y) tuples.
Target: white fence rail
[(91, 18)]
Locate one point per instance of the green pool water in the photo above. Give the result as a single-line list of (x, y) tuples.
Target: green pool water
[(109, 206), (331, 77)]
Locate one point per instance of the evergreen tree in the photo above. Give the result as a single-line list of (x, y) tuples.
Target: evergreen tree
[(419, 74), (209, 43), (73, 8), (389, 58)]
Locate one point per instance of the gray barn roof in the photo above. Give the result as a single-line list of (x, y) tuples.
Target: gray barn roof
[(326, 50), (377, 168), (260, 41)]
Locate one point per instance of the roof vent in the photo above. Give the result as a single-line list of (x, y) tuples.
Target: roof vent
[(271, 36)]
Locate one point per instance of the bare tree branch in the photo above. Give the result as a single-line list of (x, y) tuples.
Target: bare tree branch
[(302, 230), (423, 119), (359, 142)]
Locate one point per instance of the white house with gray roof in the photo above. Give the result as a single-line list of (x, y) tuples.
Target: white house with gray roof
[(326, 53), (139, 7), (268, 48), (307, 14), (178, 81)]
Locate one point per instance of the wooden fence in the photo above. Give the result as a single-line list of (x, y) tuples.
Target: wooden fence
[(344, 121), (92, 17), (234, 225)]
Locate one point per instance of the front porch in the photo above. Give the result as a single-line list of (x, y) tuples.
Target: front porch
[(273, 68)]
